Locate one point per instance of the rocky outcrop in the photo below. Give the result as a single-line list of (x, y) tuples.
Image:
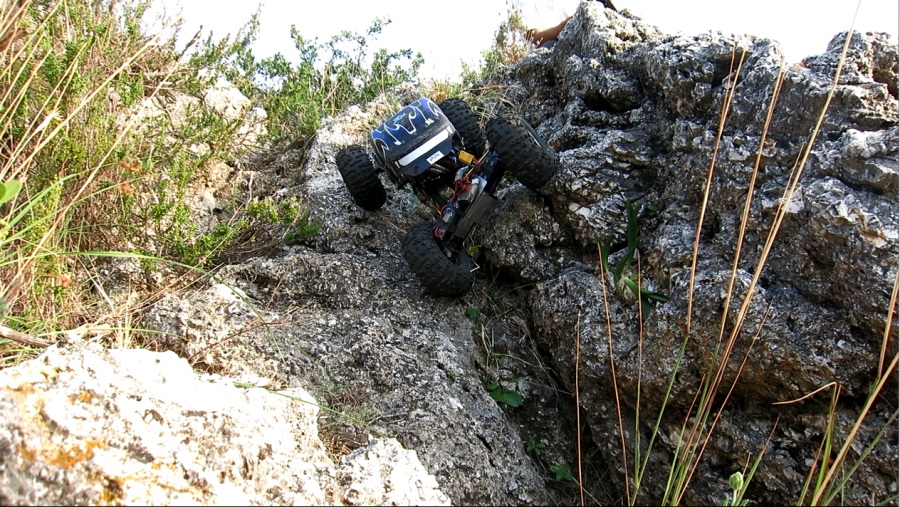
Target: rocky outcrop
[(638, 120), (635, 117)]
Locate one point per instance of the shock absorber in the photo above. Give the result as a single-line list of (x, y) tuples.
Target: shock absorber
[(449, 216)]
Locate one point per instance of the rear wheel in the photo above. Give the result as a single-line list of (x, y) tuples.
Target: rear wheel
[(440, 270), (522, 151), (359, 176), (466, 123)]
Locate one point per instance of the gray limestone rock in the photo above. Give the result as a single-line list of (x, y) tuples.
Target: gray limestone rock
[(820, 302), (89, 426)]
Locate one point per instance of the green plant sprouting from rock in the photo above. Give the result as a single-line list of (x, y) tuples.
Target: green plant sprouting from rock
[(624, 263)]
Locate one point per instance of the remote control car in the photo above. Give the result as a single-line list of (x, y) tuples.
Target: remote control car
[(441, 153)]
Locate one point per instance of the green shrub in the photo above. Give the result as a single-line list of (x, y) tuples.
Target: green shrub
[(327, 78)]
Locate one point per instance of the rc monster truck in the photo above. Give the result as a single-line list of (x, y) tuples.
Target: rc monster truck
[(440, 153)]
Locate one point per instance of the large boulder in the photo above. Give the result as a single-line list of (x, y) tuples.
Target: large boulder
[(89, 426)]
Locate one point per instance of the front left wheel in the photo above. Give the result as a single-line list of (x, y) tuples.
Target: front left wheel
[(359, 176), (441, 270)]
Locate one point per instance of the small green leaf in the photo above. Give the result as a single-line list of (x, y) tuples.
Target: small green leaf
[(631, 285), (562, 472), (534, 446), (509, 397), (655, 296), (9, 190), (473, 313)]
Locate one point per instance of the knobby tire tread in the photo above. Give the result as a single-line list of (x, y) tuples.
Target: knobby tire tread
[(359, 176), (437, 273), (521, 150), (466, 124)]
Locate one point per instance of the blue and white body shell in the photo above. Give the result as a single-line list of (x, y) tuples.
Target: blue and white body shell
[(414, 138)]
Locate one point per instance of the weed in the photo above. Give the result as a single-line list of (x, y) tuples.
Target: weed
[(620, 280), (91, 164), (829, 472), (500, 394), (297, 96), (534, 446), (508, 47), (562, 472), (345, 421), (290, 214)]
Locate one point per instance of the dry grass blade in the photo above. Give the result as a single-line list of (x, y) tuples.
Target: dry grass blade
[(704, 408), (726, 354), (791, 188), (712, 427), (779, 81), (820, 491), (885, 340), (640, 368), (883, 375), (40, 249), (13, 12), (612, 365), (578, 405), (723, 116)]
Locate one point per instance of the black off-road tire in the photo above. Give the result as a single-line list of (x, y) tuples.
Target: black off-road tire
[(359, 176), (466, 123), (522, 151), (439, 275)]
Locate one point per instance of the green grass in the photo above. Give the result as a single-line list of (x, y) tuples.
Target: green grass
[(83, 170)]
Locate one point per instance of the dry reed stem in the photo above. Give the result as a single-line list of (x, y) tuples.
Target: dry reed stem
[(640, 367), (27, 339), (12, 15), (779, 81), (885, 375), (726, 103), (578, 404), (730, 290), (706, 400), (612, 365), (780, 213), (885, 339), (790, 189), (39, 249), (712, 427)]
